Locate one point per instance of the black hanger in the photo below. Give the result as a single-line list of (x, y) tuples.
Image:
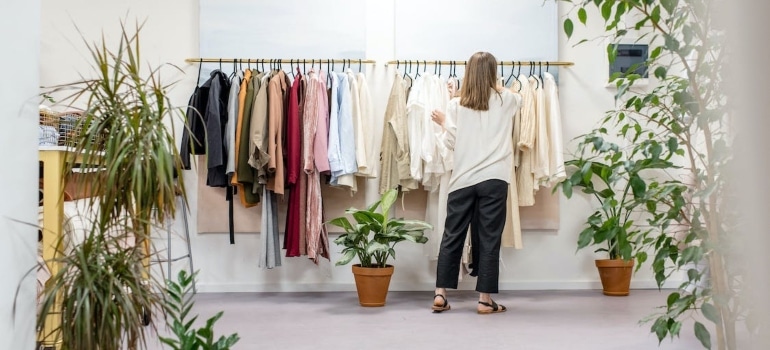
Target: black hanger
[(410, 66), (235, 70), (220, 64), (200, 66), (417, 75), (540, 66), (359, 65), (502, 73), (511, 75)]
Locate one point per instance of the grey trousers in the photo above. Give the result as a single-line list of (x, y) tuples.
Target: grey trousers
[(484, 204)]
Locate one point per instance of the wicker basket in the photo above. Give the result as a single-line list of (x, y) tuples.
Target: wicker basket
[(67, 124)]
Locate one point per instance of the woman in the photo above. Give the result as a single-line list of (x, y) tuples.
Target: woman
[(477, 127)]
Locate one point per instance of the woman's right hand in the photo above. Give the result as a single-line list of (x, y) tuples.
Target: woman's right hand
[(438, 117)]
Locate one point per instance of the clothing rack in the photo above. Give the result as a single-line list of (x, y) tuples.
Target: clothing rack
[(504, 63), (279, 60)]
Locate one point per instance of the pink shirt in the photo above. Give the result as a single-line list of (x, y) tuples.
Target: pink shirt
[(321, 142)]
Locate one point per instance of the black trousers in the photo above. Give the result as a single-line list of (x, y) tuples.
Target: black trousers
[(484, 204)]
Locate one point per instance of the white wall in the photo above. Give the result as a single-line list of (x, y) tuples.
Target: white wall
[(19, 38), (548, 260)]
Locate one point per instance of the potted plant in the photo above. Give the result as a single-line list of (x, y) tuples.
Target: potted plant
[(373, 239), (687, 108), (103, 292), (621, 181)]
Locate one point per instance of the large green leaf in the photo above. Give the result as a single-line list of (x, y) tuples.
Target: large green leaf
[(711, 313), (568, 27), (703, 335), (342, 222), (585, 238), (669, 5), (638, 186), (374, 247), (582, 15), (387, 200), (347, 257)]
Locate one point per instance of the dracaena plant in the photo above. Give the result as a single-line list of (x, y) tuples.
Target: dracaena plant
[(374, 235), (687, 106)]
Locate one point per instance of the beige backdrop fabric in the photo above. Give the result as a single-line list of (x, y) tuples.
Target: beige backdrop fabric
[(212, 208)]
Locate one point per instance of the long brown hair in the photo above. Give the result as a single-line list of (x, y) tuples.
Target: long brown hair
[(479, 81)]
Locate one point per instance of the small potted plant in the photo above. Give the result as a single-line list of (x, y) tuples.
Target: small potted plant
[(372, 239), (614, 177)]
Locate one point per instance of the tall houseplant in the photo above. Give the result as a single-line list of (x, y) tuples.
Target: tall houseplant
[(686, 108), (103, 289), (622, 181), (373, 239)]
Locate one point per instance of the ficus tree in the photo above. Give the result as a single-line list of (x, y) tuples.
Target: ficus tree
[(684, 109)]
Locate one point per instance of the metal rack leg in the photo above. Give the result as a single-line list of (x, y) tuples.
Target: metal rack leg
[(187, 240)]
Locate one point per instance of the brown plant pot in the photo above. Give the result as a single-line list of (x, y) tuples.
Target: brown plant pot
[(615, 275), (372, 284)]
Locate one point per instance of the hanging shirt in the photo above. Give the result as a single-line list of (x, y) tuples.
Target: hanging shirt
[(437, 159), (276, 94), (215, 118), (366, 166), (553, 118), (269, 253), (342, 156), (511, 236), (239, 124), (540, 164), (394, 163), (258, 144), (194, 134), (316, 112), (247, 176), (293, 170), (525, 178), (232, 121), (321, 140), (416, 110)]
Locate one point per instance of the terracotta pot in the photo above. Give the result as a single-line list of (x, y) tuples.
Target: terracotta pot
[(372, 284), (615, 275)]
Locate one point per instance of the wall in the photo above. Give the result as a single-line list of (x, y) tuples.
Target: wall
[(548, 260), (19, 38)]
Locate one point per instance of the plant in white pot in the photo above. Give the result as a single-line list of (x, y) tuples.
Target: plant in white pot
[(372, 239)]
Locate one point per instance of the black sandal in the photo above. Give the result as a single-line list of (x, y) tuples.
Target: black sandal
[(440, 308), (495, 308)]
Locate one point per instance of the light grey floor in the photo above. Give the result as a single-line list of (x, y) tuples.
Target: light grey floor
[(535, 320)]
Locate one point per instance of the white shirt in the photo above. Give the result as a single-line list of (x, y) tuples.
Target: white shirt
[(481, 140), (553, 117)]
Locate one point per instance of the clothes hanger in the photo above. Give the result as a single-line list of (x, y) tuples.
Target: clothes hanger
[(220, 64), (540, 66), (200, 67), (513, 67), (359, 65), (235, 70), (417, 74), (502, 74)]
